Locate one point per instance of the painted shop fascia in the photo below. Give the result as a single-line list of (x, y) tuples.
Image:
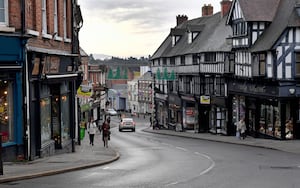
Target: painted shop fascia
[(12, 60)]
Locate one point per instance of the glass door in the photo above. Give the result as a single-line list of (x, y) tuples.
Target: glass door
[(56, 121)]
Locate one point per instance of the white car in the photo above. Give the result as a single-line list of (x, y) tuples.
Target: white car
[(127, 123), (111, 112)]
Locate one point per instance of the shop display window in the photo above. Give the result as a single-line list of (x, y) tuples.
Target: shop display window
[(238, 108), (45, 106), (65, 117), (221, 119), (269, 123), (6, 111), (289, 126)]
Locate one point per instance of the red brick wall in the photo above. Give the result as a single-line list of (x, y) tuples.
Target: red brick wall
[(15, 14), (34, 22)]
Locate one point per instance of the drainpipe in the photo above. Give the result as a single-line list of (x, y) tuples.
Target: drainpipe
[(26, 86)]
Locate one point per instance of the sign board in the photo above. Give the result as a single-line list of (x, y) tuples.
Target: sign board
[(204, 99)]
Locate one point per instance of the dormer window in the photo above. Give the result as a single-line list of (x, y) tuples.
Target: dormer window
[(193, 32), (175, 40), (176, 34), (192, 36)]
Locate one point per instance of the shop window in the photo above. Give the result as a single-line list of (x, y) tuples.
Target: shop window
[(6, 111), (45, 115), (269, 123), (221, 120), (289, 126), (65, 117), (238, 108)]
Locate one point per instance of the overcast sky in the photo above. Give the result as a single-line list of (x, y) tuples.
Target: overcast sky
[(132, 28)]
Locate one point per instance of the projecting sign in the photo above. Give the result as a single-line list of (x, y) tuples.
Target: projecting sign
[(205, 100)]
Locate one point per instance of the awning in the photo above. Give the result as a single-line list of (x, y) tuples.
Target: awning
[(60, 76)]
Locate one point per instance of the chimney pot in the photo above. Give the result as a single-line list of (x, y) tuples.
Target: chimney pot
[(225, 7), (181, 18), (207, 10)]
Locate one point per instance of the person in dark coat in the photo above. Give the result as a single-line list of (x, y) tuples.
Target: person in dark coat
[(106, 132)]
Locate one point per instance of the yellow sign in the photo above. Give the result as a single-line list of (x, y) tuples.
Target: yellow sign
[(205, 99), (81, 93)]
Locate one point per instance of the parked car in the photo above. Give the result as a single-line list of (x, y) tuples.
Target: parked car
[(127, 123), (111, 112)]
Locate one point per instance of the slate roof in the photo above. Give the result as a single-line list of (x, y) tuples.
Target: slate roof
[(259, 10), (285, 17), (212, 37)]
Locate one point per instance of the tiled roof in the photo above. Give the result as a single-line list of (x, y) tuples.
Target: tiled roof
[(212, 37), (286, 16), (259, 10)]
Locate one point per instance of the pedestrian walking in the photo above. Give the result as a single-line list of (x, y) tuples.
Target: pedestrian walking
[(241, 128), (106, 131), (92, 128)]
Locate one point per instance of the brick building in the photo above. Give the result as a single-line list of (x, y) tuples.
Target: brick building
[(43, 79)]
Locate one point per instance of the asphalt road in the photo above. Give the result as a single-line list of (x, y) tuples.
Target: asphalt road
[(151, 160)]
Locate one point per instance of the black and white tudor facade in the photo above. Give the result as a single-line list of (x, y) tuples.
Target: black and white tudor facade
[(241, 62)]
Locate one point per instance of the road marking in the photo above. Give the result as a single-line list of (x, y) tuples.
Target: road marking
[(170, 184), (105, 168), (183, 149), (210, 159)]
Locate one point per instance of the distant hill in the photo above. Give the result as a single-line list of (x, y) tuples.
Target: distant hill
[(101, 56)]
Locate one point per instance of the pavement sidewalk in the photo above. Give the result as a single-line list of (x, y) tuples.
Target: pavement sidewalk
[(291, 146), (85, 156)]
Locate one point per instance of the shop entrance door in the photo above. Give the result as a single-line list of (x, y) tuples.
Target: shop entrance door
[(55, 116), (251, 122)]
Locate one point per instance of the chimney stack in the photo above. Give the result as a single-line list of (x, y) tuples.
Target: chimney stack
[(225, 7), (181, 18), (207, 10)]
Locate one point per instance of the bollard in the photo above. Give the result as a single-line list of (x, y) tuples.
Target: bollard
[(1, 162)]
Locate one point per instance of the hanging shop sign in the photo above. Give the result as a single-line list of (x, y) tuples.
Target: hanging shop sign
[(204, 99)]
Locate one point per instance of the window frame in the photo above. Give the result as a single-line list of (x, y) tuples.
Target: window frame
[(44, 17), (297, 64), (5, 22), (55, 16)]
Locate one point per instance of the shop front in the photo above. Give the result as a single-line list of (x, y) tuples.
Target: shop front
[(161, 115), (53, 94), (219, 116), (189, 113), (174, 112), (269, 111), (12, 60)]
